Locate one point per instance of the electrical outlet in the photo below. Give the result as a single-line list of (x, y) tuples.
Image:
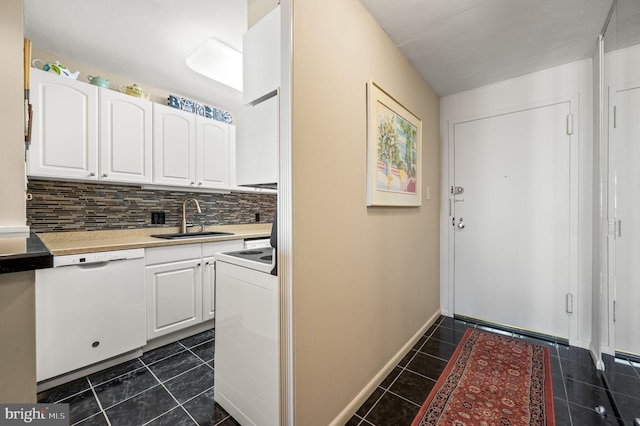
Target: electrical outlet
[(157, 218)]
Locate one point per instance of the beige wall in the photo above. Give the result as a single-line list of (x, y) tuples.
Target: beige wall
[(17, 333), (257, 9), (17, 297), (12, 192), (365, 280)]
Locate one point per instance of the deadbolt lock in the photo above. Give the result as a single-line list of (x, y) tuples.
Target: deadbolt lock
[(457, 190)]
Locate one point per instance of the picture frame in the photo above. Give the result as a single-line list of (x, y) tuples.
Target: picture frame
[(394, 151)]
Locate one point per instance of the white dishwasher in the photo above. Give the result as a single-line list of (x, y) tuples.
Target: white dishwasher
[(89, 308)]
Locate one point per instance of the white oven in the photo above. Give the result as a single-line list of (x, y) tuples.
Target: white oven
[(253, 243), (246, 346)]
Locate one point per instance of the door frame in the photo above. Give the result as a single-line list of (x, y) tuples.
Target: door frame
[(447, 231)]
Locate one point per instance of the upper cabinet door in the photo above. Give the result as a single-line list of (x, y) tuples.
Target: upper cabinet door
[(212, 153), (257, 144), (173, 146), (64, 138), (125, 138), (261, 57)]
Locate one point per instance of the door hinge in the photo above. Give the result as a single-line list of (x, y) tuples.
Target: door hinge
[(615, 228), (569, 124), (615, 117), (569, 303)]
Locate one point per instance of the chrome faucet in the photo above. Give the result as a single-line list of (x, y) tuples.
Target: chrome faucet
[(183, 229)]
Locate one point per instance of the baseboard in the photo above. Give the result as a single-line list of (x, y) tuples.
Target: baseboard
[(353, 406), (581, 344), (178, 335), (85, 371)]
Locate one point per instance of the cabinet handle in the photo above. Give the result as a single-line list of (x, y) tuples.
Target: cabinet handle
[(95, 344), (193, 183), (199, 264), (206, 263), (92, 174), (199, 183), (104, 175)]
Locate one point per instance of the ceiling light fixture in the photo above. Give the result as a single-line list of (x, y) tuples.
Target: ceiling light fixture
[(218, 62)]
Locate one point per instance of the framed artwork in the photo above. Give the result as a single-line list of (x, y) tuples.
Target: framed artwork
[(394, 148)]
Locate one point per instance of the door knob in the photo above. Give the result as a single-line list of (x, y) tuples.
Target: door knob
[(460, 224)]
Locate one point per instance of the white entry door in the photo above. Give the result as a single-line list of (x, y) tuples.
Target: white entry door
[(511, 219), (626, 208)]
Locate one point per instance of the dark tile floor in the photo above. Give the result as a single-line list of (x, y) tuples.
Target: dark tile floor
[(577, 386), (171, 385)]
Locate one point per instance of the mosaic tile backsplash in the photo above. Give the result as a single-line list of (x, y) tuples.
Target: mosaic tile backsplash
[(80, 206)]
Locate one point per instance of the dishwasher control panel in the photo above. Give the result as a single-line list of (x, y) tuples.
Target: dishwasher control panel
[(106, 256)]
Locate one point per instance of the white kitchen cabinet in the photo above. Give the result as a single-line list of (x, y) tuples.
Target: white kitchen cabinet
[(174, 146), (261, 58), (125, 138), (189, 150), (257, 144), (174, 291), (180, 282), (209, 275), (173, 278), (82, 132), (212, 153), (208, 288), (64, 133)]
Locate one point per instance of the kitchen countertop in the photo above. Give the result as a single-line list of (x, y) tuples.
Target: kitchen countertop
[(23, 254), (77, 242)]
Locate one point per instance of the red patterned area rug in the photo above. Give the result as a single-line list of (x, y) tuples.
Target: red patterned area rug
[(492, 380)]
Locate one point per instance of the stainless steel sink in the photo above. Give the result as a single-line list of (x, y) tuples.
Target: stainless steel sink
[(181, 235)]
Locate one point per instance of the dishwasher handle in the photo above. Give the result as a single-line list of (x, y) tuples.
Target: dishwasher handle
[(93, 265), (97, 258)]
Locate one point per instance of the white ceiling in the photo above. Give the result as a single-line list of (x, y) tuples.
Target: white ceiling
[(456, 45), (625, 24)]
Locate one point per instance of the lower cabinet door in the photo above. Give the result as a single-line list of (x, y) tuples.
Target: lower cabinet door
[(209, 288), (209, 251), (174, 296)]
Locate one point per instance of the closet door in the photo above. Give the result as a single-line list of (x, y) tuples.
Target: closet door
[(626, 223)]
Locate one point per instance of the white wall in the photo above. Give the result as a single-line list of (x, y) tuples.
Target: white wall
[(628, 65), (566, 82)]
